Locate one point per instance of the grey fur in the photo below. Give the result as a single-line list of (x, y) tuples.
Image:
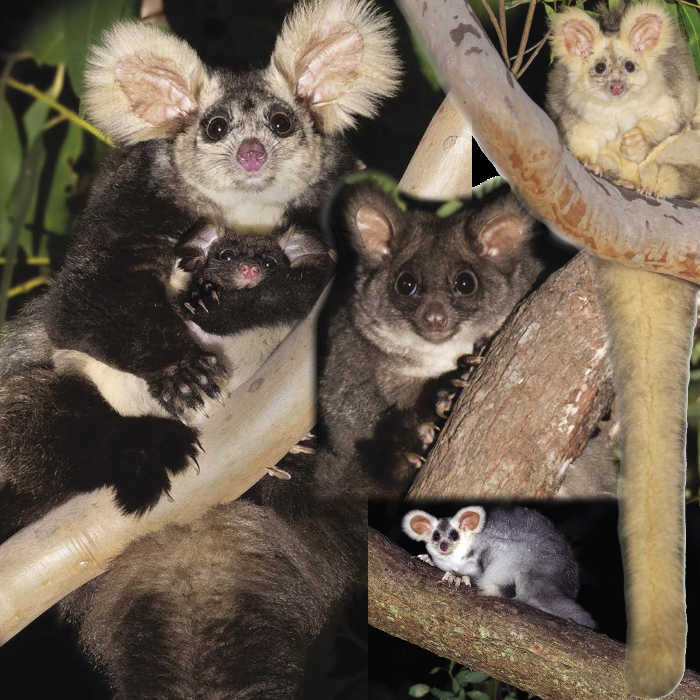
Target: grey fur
[(517, 554)]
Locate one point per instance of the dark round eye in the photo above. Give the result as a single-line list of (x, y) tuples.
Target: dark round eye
[(629, 67), (226, 255), (436, 536), (406, 284), (269, 263), (281, 124), (600, 68), (465, 283), (454, 535), (217, 128)]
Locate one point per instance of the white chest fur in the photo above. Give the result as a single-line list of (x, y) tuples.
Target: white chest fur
[(128, 394)]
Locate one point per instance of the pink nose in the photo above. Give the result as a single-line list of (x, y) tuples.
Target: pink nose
[(251, 155), (250, 271), (443, 546), (617, 87)]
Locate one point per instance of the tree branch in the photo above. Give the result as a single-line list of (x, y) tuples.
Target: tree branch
[(552, 658), (530, 409), (524, 146), (74, 543)]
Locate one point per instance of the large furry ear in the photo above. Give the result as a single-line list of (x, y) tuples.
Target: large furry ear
[(302, 248), (338, 58), (419, 525), (505, 228), (470, 519), (373, 221), (142, 83), (574, 34), (193, 249), (647, 28)]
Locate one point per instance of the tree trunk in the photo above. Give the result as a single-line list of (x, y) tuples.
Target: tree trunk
[(530, 409)]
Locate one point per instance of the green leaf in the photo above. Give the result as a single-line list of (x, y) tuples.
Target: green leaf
[(426, 67), (83, 23), (612, 4), (461, 695), (691, 21), (477, 695), (442, 694), (435, 670), (63, 181), (11, 160), (418, 691), (468, 676), (549, 10), (46, 39), (449, 208), (456, 687), (672, 10), (25, 194)]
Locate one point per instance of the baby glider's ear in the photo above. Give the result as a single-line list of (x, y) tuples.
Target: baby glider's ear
[(303, 248), (338, 58), (143, 83), (419, 525), (193, 249)]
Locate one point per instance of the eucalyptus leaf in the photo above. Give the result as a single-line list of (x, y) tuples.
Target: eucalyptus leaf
[(63, 181), (46, 39), (468, 676), (672, 10), (691, 22), (442, 694), (435, 670), (418, 691), (83, 23), (25, 194), (11, 150), (426, 67), (477, 695)]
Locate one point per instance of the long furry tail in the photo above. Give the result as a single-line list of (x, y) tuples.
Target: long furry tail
[(649, 319)]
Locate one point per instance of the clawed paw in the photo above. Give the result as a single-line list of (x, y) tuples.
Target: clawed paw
[(183, 385), (201, 297), (150, 452), (444, 403), (426, 558), (595, 169), (427, 434), (456, 580), (634, 145)]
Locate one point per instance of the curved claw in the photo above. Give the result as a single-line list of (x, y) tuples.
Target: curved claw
[(302, 449), (169, 495), (279, 473)]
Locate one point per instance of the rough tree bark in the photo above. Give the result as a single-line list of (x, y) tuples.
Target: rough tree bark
[(552, 658), (530, 409), (524, 146)]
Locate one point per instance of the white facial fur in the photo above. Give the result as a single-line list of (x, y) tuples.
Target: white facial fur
[(468, 522)]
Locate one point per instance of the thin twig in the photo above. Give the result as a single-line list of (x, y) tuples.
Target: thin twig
[(64, 111), (27, 286), (537, 48), (35, 261), (501, 40), (502, 21), (525, 36), (58, 119)]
